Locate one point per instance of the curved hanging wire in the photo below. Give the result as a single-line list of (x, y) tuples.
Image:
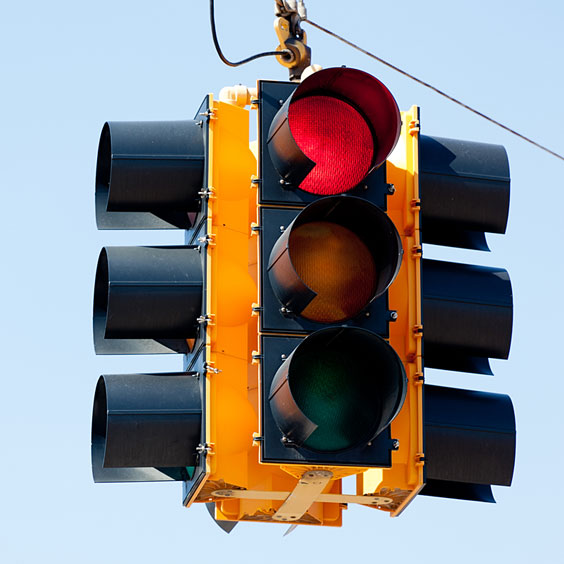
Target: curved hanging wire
[(283, 52)]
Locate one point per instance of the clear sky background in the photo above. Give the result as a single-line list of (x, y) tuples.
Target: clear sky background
[(66, 68)]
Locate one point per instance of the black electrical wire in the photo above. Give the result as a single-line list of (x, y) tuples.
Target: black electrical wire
[(436, 90), (283, 52)]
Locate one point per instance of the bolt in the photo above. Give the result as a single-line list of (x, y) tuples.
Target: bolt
[(391, 189), (393, 315), (287, 442)]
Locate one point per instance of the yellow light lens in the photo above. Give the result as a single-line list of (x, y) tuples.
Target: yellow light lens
[(337, 265)]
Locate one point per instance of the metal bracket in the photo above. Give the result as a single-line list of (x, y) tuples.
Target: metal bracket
[(307, 492), (208, 193), (210, 368), (292, 37), (416, 251), (257, 439), (413, 127), (208, 239), (205, 449), (209, 318), (210, 114)]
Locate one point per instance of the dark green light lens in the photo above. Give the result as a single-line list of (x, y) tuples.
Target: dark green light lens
[(335, 390), (339, 389)]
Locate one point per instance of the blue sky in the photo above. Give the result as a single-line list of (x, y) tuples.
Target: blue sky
[(66, 68)]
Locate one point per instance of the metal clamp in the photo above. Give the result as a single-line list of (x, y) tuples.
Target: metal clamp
[(204, 449), (210, 368), (208, 239), (208, 318), (289, 14), (207, 193)]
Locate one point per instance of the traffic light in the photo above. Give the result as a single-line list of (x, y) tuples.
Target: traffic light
[(349, 310), (341, 389), (160, 175), (467, 318), (301, 304), (149, 427), (196, 426), (467, 310)]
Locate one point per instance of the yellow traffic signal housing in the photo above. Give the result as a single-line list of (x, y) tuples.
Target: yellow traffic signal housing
[(325, 323), (302, 305), (198, 426), (231, 378), (331, 384), (403, 481)]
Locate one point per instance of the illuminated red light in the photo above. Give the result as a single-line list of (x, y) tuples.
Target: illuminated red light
[(337, 138)]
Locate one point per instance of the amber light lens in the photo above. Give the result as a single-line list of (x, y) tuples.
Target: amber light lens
[(337, 138), (337, 265)]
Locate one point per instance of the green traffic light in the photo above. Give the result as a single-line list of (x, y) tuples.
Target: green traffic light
[(334, 390), (338, 389)]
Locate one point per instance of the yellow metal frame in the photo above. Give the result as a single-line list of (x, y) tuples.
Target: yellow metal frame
[(232, 337), (405, 478), (231, 379)]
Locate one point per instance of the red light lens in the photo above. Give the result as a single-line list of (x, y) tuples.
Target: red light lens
[(335, 136)]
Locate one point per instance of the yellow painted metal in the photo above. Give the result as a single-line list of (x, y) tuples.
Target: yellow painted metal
[(369, 500), (232, 379), (232, 401), (307, 491), (338, 472), (404, 479)]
